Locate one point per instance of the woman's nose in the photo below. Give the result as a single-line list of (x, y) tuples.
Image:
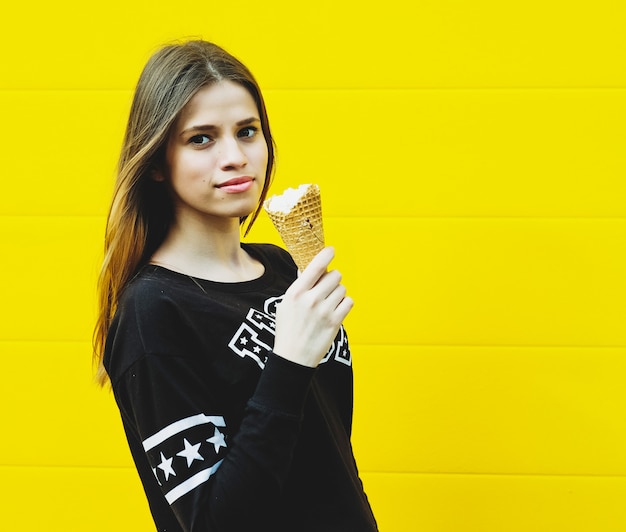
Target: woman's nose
[(232, 154)]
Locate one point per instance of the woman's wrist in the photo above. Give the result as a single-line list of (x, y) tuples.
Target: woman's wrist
[(284, 385)]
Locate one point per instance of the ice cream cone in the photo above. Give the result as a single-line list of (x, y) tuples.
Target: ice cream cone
[(297, 215)]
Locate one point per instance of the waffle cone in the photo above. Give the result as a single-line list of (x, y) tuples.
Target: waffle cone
[(301, 229)]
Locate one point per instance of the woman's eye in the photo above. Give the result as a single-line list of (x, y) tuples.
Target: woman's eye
[(247, 132), (199, 140)]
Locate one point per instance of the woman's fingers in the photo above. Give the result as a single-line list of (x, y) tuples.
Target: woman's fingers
[(318, 267), (344, 307), (338, 304), (310, 314), (326, 284)]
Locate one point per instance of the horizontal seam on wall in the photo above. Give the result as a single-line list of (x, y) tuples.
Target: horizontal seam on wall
[(131, 469), (363, 217), (53, 467), (426, 88), (496, 475), (356, 345)]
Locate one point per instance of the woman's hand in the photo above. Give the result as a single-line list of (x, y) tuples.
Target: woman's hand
[(311, 312)]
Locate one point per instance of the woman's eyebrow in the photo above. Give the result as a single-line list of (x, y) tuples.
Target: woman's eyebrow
[(248, 121), (210, 127), (202, 127)]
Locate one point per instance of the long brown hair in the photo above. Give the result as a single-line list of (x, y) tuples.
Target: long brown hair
[(141, 210)]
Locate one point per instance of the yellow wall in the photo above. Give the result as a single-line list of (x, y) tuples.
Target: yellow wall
[(472, 157)]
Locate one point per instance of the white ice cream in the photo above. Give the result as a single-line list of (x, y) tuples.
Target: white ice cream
[(286, 201)]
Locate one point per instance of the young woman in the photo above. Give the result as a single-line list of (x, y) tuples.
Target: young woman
[(232, 372)]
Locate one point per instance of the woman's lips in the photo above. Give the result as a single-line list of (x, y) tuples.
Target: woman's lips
[(236, 185)]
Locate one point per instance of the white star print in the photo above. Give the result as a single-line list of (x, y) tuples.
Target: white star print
[(243, 340), (190, 452), (166, 466), (217, 440), (256, 349)]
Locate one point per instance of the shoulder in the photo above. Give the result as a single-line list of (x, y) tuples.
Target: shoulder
[(147, 320), (152, 298)]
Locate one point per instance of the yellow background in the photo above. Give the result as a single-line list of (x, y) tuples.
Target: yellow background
[(471, 156)]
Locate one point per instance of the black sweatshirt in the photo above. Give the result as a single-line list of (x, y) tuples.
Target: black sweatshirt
[(226, 435)]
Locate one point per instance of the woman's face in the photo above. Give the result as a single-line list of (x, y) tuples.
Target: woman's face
[(216, 155)]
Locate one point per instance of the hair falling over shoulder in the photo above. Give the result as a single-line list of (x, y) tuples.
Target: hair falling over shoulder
[(141, 211)]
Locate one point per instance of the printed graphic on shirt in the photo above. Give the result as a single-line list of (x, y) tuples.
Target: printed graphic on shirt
[(186, 453), (339, 349), (255, 337)]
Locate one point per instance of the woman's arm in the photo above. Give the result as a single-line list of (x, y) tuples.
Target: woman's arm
[(215, 475)]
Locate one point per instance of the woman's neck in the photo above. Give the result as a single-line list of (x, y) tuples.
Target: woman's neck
[(208, 252)]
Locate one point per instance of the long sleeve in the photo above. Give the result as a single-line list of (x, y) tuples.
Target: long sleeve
[(208, 464)]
